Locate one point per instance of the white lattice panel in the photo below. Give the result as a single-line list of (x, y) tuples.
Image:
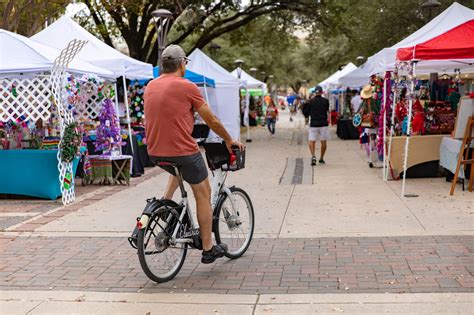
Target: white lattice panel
[(58, 79), (89, 108), (32, 100)]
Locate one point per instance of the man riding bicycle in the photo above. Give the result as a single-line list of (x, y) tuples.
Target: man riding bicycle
[(170, 103)]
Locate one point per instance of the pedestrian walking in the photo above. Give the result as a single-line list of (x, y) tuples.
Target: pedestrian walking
[(271, 116), (317, 109)]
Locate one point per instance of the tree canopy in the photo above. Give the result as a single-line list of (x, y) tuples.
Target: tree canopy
[(297, 41)]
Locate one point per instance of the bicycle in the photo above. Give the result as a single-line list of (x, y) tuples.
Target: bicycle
[(166, 229)]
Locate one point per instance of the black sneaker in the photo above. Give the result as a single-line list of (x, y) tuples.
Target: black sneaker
[(217, 251), (321, 161), (313, 160)]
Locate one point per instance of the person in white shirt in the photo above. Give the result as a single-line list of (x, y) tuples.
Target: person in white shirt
[(355, 101)]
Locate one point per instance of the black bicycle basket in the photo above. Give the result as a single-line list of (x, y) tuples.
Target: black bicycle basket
[(218, 156)]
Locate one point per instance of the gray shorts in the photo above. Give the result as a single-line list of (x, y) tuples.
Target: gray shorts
[(193, 168)]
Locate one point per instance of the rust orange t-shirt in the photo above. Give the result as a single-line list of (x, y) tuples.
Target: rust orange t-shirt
[(170, 102)]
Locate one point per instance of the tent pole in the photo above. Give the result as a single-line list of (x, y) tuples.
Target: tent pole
[(407, 140), (384, 127), (125, 100), (205, 94), (117, 107), (392, 131)]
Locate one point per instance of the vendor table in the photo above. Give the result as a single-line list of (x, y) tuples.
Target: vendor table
[(422, 149), (107, 169), (31, 173), (346, 130)]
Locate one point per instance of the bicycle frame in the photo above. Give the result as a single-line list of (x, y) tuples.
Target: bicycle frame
[(217, 187)]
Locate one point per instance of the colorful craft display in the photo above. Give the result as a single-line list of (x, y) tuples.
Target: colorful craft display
[(68, 182), (50, 143), (137, 112), (109, 132)]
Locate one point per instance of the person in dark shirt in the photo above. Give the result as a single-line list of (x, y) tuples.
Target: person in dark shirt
[(317, 109)]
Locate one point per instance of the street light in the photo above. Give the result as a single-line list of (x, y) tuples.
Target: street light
[(360, 59), (430, 5), (239, 63), (162, 18), (253, 71), (214, 48)]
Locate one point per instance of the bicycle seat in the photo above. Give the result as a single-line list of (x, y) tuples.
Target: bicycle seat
[(164, 162)]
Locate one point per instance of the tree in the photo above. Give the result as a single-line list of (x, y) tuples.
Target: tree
[(195, 23), (27, 17)]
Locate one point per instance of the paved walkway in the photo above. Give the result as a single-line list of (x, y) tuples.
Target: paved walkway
[(336, 228), (284, 265)]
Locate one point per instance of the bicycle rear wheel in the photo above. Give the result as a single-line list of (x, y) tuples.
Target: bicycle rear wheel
[(234, 222), (160, 260)]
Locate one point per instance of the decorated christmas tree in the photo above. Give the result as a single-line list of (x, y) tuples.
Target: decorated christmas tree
[(108, 132)]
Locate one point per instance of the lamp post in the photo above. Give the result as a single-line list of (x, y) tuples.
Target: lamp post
[(430, 5), (360, 59), (253, 71), (214, 49), (239, 63), (162, 18)]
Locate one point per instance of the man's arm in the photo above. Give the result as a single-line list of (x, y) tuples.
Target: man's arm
[(215, 124)]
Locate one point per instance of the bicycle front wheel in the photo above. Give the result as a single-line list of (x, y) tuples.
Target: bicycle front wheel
[(160, 260), (234, 222)]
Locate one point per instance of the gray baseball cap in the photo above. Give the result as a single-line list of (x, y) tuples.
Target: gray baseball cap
[(173, 52)]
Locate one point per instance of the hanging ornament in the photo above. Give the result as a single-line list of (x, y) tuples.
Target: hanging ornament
[(67, 182)]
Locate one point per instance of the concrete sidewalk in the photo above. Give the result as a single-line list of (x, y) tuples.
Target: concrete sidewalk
[(41, 302), (347, 198)]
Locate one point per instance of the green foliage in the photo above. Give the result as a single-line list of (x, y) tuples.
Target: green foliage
[(28, 17)]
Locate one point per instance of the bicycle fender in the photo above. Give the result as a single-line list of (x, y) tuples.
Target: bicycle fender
[(152, 205)]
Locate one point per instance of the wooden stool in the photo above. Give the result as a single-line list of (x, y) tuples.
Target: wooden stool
[(463, 156)]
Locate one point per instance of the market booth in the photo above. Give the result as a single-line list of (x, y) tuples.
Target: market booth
[(455, 46), (96, 52), (434, 98), (38, 137), (224, 98), (251, 87)]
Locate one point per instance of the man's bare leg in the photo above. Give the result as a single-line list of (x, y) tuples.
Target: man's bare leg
[(171, 187), (323, 149), (202, 194), (312, 147)]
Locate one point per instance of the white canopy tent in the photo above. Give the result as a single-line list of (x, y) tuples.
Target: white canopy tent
[(385, 59), (333, 80), (249, 82), (23, 55), (224, 99), (96, 52)]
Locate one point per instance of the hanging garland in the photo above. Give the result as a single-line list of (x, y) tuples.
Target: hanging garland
[(70, 143)]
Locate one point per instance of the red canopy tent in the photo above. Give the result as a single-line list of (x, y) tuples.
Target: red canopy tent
[(457, 43)]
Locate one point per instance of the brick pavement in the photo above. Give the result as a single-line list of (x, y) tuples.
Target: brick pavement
[(324, 265)]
